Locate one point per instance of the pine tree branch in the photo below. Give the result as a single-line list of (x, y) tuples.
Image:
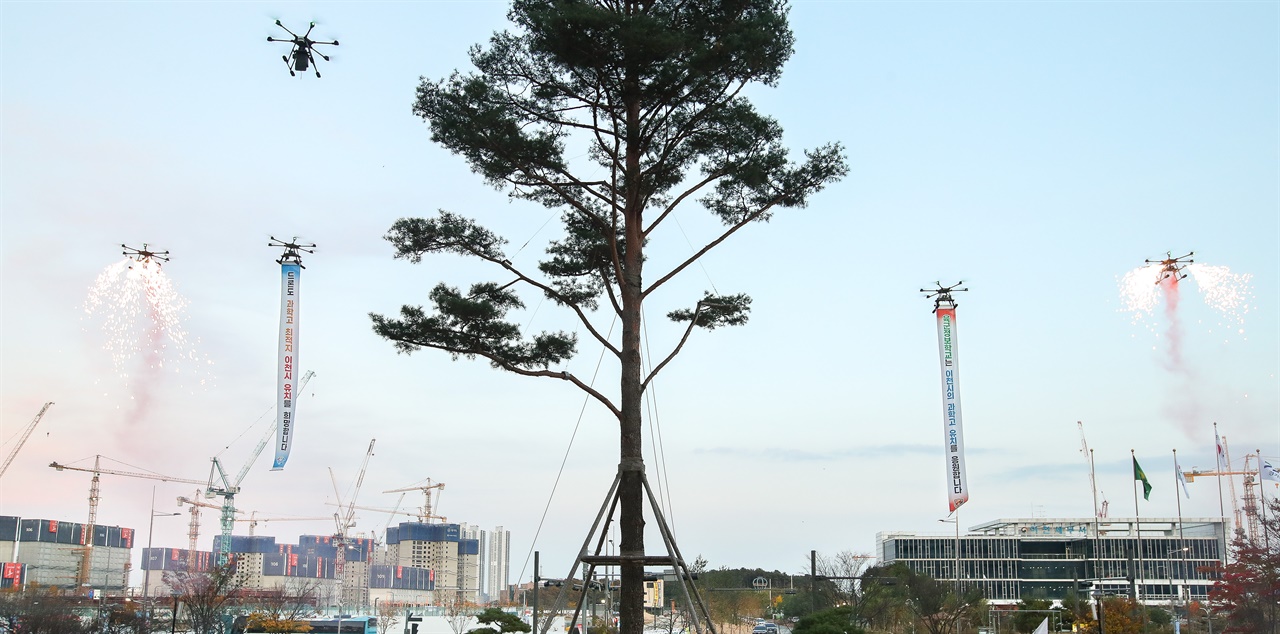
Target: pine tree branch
[(577, 310), (680, 199), (687, 331), (711, 245)]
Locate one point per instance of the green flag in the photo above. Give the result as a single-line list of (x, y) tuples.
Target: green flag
[(1139, 475)]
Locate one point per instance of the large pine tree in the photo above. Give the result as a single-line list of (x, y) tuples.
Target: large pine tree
[(652, 93)]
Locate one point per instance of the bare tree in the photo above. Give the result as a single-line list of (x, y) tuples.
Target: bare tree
[(386, 613), (457, 611), (204, 595), (38, 610), (283, 610)]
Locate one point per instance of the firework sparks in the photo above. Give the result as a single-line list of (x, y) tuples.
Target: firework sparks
[(141, 316), (1225, 292)]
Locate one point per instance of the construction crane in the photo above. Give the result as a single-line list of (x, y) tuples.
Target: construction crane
[(345, 515), (1093, 483), (219, 485), (253, 520), (1250, 481), (193, 530), (26, 433), (86, 538), (424, 514)]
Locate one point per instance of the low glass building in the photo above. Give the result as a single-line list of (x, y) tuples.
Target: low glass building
[(1164, 560)]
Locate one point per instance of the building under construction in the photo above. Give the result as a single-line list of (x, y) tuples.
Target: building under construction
[(52, 553)]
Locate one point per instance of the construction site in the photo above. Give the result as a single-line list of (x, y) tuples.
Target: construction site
[(412, 562)]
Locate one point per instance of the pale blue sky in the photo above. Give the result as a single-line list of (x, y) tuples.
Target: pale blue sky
[(1037, 150)]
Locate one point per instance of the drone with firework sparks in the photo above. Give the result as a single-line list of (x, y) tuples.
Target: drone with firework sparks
[(145, 255), (943, 294), (1171, 266), (303, 53)]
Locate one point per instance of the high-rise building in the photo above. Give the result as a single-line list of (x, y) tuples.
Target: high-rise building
[(468, 531), (440, 548), (498, 570), (1164, 560)]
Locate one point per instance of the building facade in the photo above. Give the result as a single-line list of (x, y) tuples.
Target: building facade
[(481, 536), (440, 548), (1164, 560), (52, 552), (498, 566)]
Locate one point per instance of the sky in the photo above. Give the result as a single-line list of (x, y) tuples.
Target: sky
[(1038, 151)]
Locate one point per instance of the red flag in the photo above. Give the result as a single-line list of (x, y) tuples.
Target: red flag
[(1222, 456)]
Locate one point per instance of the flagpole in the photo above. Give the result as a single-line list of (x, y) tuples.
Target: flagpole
[(1097, 536), (1262, 493), (1137, 529), (1182, 545), (1217, 448)]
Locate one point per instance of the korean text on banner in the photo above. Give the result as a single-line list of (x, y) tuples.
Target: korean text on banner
[(953, 423), (288, 363)]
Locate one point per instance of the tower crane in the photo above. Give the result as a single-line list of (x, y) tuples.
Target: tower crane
[(26, 433), (345, 515), (253, 520), (1250, 481), (219, 485), (86, 538), (193, 530), (424, 513)]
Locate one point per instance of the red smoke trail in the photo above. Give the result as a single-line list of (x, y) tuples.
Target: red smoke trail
[(1183, 405), (1170, 287)]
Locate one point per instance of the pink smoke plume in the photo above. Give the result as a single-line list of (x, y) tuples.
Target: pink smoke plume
[(1227, 293)]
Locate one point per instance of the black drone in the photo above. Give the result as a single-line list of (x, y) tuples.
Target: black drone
[(293, 250), (942, 294), (1171, 267), (300, 57), (145, 255)]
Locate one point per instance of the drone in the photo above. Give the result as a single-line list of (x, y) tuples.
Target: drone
[(144, 255), (1171, 266), (300, 57), (942, 294), (292, 250)]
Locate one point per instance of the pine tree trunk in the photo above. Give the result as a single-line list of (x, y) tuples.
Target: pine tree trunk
[(631, 487)]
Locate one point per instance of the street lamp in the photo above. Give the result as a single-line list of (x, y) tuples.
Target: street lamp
[(146, 570), (1177, 589), (956, 521)]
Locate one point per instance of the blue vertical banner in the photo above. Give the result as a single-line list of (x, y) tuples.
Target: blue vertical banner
[(952, 421), (287, 368)]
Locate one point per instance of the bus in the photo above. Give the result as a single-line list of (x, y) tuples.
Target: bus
[(328, 625), (344, 625)]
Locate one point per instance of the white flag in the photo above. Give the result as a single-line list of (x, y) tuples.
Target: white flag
[(1268, 472), (1182, 479), (1222, 457)]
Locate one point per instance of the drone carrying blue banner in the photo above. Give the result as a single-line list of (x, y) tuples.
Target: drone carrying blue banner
[(952, 421), (287, 368)]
